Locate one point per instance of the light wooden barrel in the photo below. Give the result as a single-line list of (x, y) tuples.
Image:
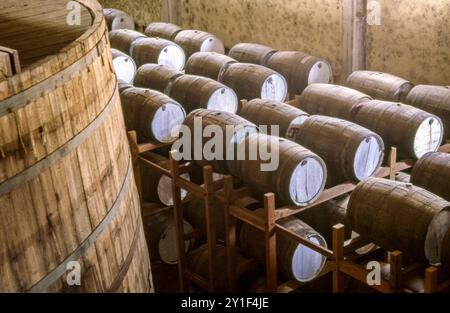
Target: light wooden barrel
[(251, 81), (300, 69), (198, 41), (432, 172), (413, 131), (240, 129), (208, 64), (158, 51), (154, 116), (251, 53), (330, 100), (351, 152), (433, 99), (272, 113), (122, 39), (117, 19), (163, 30), (195, 92), (294, 260), (445, 249), (380, 86), (67, 191), (124, 66), (156, 77), (297, 176), (398, 216)]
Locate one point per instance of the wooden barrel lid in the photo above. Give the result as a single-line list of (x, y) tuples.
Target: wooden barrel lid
[(124, 66), (167, 246), (117, 19)]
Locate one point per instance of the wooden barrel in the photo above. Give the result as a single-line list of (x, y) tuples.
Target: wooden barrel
[(157, 188), (124, 66), (296, 175), (156, 77), (272, 113), (402, 177), (251, 81), (294, 260), (445, 249), (238, 129), (67, 191), (208, 64), (251, 53), (380, 86), (163, 30), (195, 92), (124, 85), (433, 99), (432, 172), (300, 69), (198, 41), (330, 100), (117, 19), (398, 216), (154, 116), (158, 51), (351, 152), (413, 131), (122, 39)]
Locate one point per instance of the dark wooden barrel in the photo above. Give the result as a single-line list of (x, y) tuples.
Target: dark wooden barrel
[(296, 175), (432, 172), (117, 19), (294, 261), (251, 81), (156, 77), (124, 66), (240, 129), (124, 85), (158, 51), (198, 41), (122, 39), (330, 100), (433, 99), (413, 131), (208, 64), (445, 250), (269, 113), (380, 86), (300, 69), (163, 30), (351, 152), (398, 216), (195, 92), (152, 114), (251, 53)]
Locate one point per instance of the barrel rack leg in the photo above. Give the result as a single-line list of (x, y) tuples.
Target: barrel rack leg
[(271, 243), (392, 163), (230, 235), (431, 280), (396, 262), (338, 253), (210, 225)]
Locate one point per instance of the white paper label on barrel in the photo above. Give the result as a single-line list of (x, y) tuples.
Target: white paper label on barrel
[(306, 181), (320, 73), (125, 68), (307, 263), (167, 246), (167, 121), (368, 158), (223, 99), (428, 137), (164, 190), (274, 88), (172, 57), (212, 44)]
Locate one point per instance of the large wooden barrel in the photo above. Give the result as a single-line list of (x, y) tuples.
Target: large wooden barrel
[(251, 81), (295, 261), (198, 41), (295, 174), (272, 113), (122, 39), (351, 152), (380, 86), (154, 116), (158, 51), (195, 92), (117, 19), (156, 77), (330, 100), (433, 99), (124, 66), (234, 129), (413, 131), (163, 30), (398, 216), (445, 250), (432, 172), (251, 53), (208, 64), (67, 191), (300, 69)]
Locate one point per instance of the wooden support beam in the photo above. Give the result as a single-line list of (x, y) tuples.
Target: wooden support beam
[(338, 253), (271, 243)]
